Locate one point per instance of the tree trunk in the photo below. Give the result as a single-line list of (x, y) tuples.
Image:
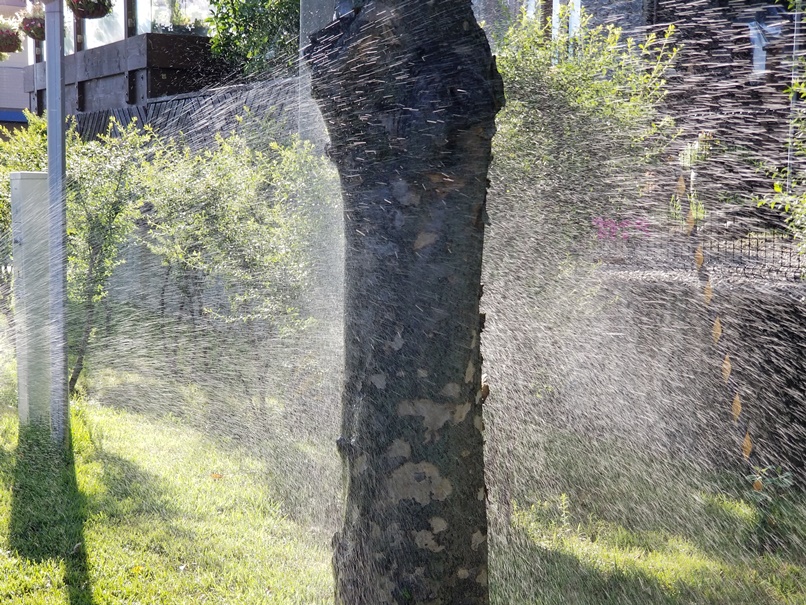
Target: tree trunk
[(83, 345), (409, 92), (89, 318)]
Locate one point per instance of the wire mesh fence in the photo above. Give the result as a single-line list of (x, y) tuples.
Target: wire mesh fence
[(769, 255)]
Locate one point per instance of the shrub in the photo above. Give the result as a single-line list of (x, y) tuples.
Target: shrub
[(583, 117)]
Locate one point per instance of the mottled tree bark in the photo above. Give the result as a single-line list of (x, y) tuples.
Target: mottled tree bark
[(409, 92)]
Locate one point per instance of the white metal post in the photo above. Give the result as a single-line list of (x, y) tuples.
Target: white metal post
[(29, 226), (54, 100), (313, 16)]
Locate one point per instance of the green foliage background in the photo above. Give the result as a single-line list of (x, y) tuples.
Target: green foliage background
[(583, 118), (231, 218), (789, 184), (256, 34)]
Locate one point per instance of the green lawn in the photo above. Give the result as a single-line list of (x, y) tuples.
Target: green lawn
[(607, 564), (152, 512), (609, 526), (156, 511)]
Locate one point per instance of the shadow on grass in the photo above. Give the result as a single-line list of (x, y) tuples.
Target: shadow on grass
[(48, 511), (646, 494), (526, 573), (582, 571), (6, 463), (133, 496), (309, 495)]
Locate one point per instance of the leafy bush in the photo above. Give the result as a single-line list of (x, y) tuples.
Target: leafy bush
[(20, 149), (230, 218), (239, 217), (774, 494), (582, 118), (582, 127), (789, 184), (103, 199)]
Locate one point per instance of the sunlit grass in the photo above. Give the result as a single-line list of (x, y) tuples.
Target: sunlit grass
[(165, 511), (630, 530), (165, 516)]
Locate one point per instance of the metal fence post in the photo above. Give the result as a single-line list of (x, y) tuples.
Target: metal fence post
[(54, 100)]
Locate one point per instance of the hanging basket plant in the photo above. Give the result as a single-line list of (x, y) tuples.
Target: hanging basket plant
[(32, 21), (10, 41), (90, 9)]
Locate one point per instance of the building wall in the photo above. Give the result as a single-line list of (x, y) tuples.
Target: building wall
[(12, 96)]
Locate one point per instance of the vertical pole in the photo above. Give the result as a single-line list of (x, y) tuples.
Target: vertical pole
[(574, 17), (313, 16), (54, 100), (793, 95), (555, 19)]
